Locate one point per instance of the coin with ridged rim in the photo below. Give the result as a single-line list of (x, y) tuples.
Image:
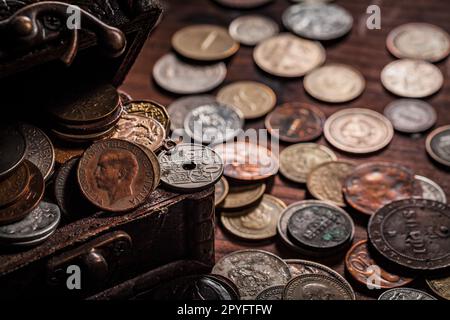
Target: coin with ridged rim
[(405, 294), (271, 293)]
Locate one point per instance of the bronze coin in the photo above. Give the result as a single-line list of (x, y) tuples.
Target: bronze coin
[(116, 175), (27, 202), (413, 233), (150, 109), (14, 186), (373, 185), (364, 269), (221, 189), (296, 122), (243, 197)]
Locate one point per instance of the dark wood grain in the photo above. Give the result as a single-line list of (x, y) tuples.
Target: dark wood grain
[(362, 48)]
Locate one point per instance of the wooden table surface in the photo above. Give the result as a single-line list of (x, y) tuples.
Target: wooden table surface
[(362, 48)]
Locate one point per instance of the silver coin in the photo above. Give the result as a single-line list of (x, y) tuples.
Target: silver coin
[(40, 150), (252, 29), (430, 189), (42, 221), (179, 109), (410, 115), (213, 123), (272, 293), (190, 167), (318, 21), (180, 77), (253, 271), (405, 294), (311, 1)]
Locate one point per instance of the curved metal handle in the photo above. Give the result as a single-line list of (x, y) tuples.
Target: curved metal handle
[(26, 29)]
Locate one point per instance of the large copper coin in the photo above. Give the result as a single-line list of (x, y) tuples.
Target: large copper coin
[(116, 175), (14, 185), (413, 233), (150, 109), (326, 180), (247, 161), (243, 197), (373, 185), (295, 122), (243, 4), (28, 201), (364, 269), (438, 146), (12, 148)]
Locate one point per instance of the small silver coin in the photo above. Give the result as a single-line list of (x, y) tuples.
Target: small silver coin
[(272, 293), (190, 167), (405, 294), (252, 29), (410, 115), (179, 77), (318, 21), (179, 109), (213, 123), (430, 189)]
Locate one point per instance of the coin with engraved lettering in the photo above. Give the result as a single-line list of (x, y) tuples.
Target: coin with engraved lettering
[(180, 108), (326, 180), (116, 175), (295, 122), (221, 190), (243, 4), (405, 294), (372, 185), (213, 123), (257, 223), (253, 99), (319, 226), (438, 145), (286, 55), (180, 77), (410, 115), (40, 149), (14, 186), (190, 167), (243, 197), (297, 161), (361, 266), (204, 42), (413, 233), (412, 78), (318, 21), (334, 83), (250, 30), (253, 271), (150, 109), (428, 189), (440, 286), (13, 147), (247, 162), (271, 293), (357, 130), (316, 287), (422, 41)]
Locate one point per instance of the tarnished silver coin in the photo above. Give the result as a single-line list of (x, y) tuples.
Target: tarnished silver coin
[(272, 293), (252, 29), (253, 271), (318, 21), (410, 115), (179, 109), (430, 190), (190, 167), (179, 77), (37, 225), (438, 145), (213, 123), (405, 294), (40, 149)]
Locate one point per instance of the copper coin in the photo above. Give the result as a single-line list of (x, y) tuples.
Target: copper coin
[(438, 146), (150, 109), (28, 201), (422, 41), (116, 175), (411, 115), (243, 4), (13, 148), (64, 153), (221, 190), (82, 138), (247, 161), (326, 180), (412, 233), (295, 122), (14, 185), (243, 197), (180, 108), (357, 130), (365, 270), (373, 185)]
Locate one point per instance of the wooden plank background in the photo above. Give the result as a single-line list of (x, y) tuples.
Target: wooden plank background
[(362, 48)]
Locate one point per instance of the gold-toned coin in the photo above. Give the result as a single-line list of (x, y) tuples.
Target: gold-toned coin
[(204, 42), (326, 180), (221, 189), (150, 109), (243, 197), (358, 130), (254, 99), (286, 55), (335, 83), (412, 78), (297, 161), (258, 223), (440, 286)]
